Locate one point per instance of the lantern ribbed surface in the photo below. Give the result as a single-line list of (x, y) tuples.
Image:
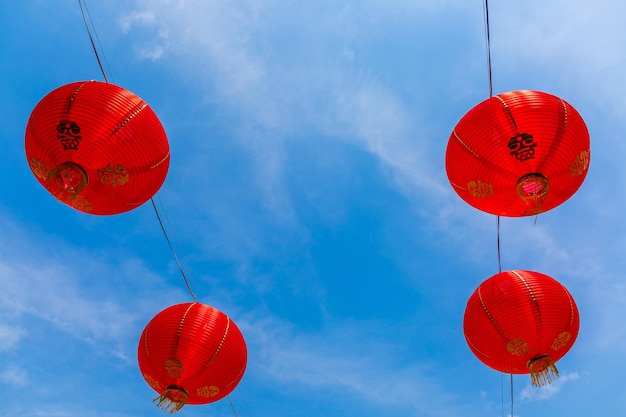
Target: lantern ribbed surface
[(97, 147), (191, 353), (519, 153), (521, 322)]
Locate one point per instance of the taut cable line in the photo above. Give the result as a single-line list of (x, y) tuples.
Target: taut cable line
[(87, 19), (490, 74), (93, 45)]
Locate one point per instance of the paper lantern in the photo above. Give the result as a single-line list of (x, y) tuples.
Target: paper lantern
[(97, 147), (191, 353), (521, 322), (519, 153)]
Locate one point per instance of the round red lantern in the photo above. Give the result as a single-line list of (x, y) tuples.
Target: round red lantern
[(97, 147), (191, 353), (519, 153), (521, 322)]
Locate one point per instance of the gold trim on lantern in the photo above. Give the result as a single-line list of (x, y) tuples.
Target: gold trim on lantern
[(172, 399), (161, 161), (133, 114), (542, 370), (488, 313), (508, 111), (530, 292), (219, 347), (465, 145), (565, 114)]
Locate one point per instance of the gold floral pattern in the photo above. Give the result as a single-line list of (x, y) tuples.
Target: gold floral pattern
[(207, 391), (480, 189), (561, 340), (113, 175), (517, 347), (580, 164)]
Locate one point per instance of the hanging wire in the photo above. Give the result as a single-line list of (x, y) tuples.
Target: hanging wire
[(93, 45), (245, 402), (498, 243), (169, 242), (488, 36), (488, 45), (232, 406), (86, 16), (95, 32), (502, 392), (511, 395)]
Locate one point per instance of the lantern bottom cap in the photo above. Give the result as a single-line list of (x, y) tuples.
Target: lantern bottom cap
[(70, 177), (542, 370), (533, 189), (172, 399)]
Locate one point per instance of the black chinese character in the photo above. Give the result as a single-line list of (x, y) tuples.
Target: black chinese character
[(522, 147)]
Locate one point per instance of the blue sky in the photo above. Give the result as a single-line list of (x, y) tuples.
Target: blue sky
[(307, 195)]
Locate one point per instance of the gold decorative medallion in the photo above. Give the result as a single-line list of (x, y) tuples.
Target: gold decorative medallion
[(207, 391), (40, 169), (561, 340), (113, 175), (517, 347), (480, 189), (80, 203), (152, 382), (580, 164), (174, 368)]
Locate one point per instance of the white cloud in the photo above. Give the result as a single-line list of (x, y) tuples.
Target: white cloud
[(15, 376), (349, 359), (384, 126), (287, 69), (10, 336), (81, 298), (142, 17), (530, 393)]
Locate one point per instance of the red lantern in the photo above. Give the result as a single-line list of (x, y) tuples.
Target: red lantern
[(521, 322), (97, 147), (191, 353), (518, 154)]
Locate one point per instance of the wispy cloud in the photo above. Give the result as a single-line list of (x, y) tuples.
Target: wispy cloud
[(151, 38), (37, 284), (10, 336), (143, 17), (13, 375), (306, 82), (530, 393), (348, 358)]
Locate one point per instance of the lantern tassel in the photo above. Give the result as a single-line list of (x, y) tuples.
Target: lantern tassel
[(172, 399), (542, 370)]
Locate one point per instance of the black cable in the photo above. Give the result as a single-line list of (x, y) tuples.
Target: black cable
[(93, 45), (180, 267), (232, 406), (511, 395), (488, 47), (498, 242)]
